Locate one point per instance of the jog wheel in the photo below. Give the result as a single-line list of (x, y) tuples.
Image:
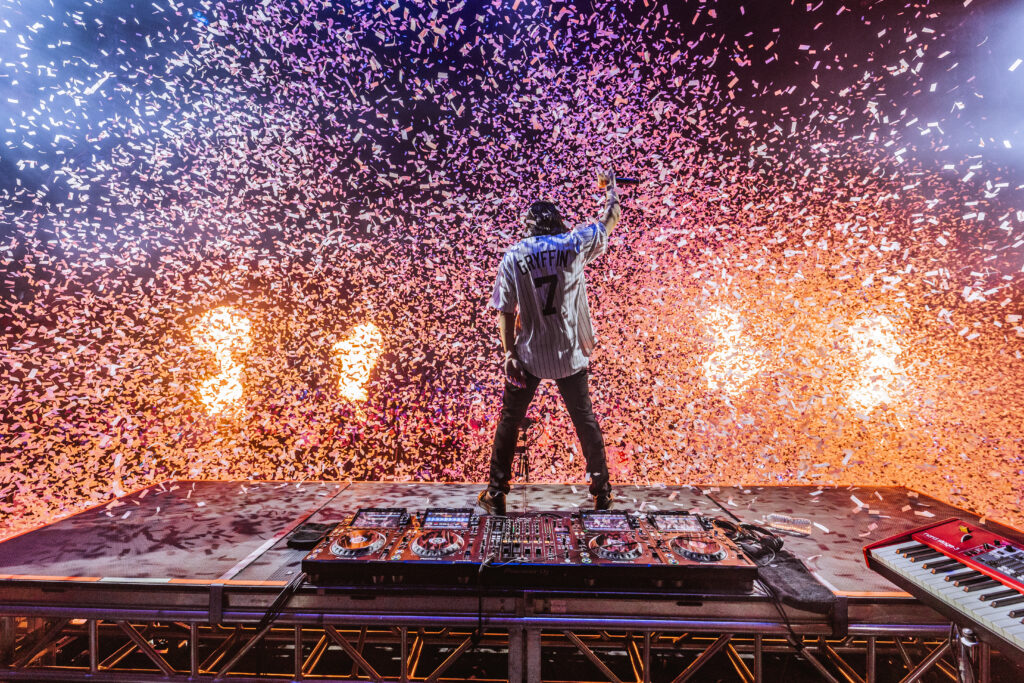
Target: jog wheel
[(357, 543), (698, 548), (437, 543), (616, 546)]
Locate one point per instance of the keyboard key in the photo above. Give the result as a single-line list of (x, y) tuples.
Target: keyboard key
[(1003, 602), (970, 581), (982, 586), (916, 548), (926, 554), (1008, 593), (941, 564)]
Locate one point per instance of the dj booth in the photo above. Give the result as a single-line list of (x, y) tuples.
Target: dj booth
[(203, 581)]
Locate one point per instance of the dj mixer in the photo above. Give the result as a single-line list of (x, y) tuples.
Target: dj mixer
[(607, 549)]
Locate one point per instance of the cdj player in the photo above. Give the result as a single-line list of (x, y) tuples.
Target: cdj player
[(608, 549), (387, 545), (369, 532)]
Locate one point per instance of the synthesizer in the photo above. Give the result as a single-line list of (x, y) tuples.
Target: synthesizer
[(964, 571), (607, 549)]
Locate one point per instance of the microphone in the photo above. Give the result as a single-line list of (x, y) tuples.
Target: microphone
[(623, 181)]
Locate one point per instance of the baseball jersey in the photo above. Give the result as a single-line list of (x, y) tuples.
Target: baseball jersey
[(543, 276)]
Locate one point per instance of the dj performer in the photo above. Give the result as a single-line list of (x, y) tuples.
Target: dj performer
[(542, 276)]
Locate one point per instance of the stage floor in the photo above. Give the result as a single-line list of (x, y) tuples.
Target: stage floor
[(234, 532), (212, 557)]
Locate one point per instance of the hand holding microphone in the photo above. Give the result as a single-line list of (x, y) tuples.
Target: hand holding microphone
[(606, 179)]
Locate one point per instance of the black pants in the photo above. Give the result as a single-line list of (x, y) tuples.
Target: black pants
[(576, 395)]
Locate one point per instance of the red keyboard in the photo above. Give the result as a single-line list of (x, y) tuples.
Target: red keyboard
[(964, 571)]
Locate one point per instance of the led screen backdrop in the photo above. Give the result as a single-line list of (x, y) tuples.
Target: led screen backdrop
[(257, 240)]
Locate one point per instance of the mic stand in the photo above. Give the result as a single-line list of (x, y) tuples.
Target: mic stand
[(524, 459)]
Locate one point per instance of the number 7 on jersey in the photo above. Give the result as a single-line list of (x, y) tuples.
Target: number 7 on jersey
[(551, 281)]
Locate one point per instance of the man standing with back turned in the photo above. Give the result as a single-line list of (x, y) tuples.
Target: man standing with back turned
[(542, 276)]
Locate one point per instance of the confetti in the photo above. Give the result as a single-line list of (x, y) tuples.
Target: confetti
[(257, 243)]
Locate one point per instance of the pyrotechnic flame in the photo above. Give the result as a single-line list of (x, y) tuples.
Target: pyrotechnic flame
[(734, 361), (225, 333), (356, 357), (874, 345)]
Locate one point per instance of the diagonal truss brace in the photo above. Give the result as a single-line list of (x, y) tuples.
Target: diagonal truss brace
[(242, 652), (40, 644), (356, 656), (589, 654), (449, 660), (146, 648), (926, 663), (703, 658)]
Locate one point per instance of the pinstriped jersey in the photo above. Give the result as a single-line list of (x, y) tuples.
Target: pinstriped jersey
[(543, 276)]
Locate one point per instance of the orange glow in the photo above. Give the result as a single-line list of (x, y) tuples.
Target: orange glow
[(225, 333), (734, 361), (874, 346), (356, 355)]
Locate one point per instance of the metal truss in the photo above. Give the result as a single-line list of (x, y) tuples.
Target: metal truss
[(96, 649), (847, 660)]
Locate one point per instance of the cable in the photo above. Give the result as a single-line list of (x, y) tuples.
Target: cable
[(762, 546), (276, 607), (271, 615), (478, 632), (793, 637)]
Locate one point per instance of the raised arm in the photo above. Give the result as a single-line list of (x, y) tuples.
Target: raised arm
[(612, 211)]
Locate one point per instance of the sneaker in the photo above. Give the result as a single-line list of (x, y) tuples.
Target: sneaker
[(603, 501), (493, 504)]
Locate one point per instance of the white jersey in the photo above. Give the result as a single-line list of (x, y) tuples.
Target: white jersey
[(543, 275)]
